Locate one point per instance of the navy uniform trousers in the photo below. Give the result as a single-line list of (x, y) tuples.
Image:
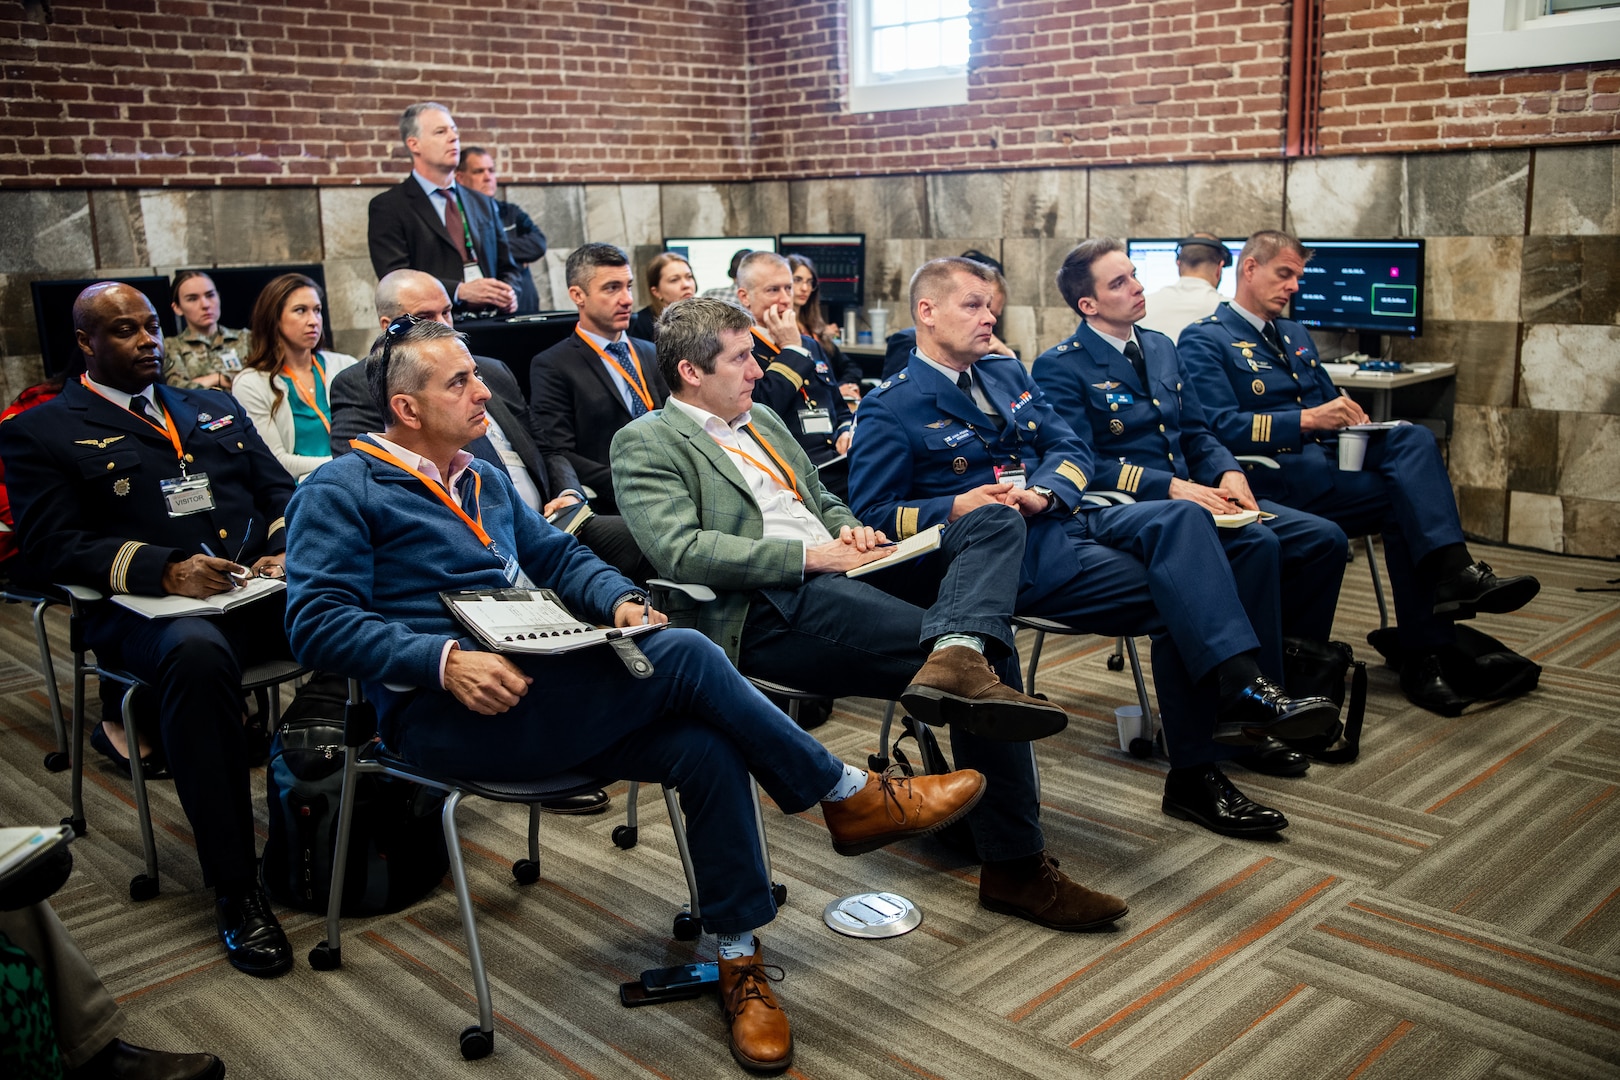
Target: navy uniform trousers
[(695, 724), (866, 638)]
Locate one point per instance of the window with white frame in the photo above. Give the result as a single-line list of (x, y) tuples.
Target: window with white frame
[(907, 54), (1508, 34)]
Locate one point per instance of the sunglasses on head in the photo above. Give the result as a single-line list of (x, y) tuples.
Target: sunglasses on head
[(396, 329)]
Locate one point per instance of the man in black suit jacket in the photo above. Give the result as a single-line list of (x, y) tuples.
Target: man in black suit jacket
[(128, 485), (431, 223), (584, 389), (523, 236)]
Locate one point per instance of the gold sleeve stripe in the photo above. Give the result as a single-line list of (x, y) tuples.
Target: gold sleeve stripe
[(787, 373), (118, 576), (905, 522), (279, 523), (1071, 472), (1260, 430), (1130, 478)]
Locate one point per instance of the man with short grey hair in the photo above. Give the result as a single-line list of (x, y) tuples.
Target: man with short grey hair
[(430, 223)]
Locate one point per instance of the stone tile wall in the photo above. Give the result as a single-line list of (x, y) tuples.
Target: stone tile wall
[(1523, 272)]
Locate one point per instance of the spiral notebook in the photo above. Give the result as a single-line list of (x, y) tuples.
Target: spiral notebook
[(530, 621)]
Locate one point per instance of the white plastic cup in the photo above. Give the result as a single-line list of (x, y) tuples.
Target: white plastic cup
[(1352, 450), (879, 319), (1128, 718)]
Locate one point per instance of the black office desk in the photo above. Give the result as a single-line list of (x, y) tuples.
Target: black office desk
[(516, 342)]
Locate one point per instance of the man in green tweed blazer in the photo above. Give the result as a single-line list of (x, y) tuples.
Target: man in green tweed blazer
[(717, 492)]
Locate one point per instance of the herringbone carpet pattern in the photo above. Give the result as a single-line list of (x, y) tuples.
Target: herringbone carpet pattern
[(1448, 906)]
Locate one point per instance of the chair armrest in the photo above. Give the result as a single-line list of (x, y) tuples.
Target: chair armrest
[(1108, 498), (700, 593), (1258, 459), (587, 491), (82, 593)]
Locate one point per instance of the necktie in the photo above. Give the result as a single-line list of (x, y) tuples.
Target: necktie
[(1272, 339), (621, 353), (964, 383), (143, 409), (452, 222), (1133, 353)]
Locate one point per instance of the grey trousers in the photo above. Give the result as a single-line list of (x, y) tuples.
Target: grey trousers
[(85, 1015)]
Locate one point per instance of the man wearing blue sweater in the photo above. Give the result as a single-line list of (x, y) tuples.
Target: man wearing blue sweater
[(379, 533)]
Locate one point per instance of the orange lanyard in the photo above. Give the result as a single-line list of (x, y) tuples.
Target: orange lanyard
[(765, 341), (638, 383), (308, 396), (792, 486), (438, 489), (171, 432)]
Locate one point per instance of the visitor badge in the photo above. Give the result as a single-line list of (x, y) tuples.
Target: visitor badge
[(187, 494), (1012, 474), (471, 272), (815, 421), (229, 360)]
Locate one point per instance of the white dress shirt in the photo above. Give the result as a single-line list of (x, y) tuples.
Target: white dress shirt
[(1175, 307)]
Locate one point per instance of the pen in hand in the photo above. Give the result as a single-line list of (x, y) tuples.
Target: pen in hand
[(646, 610)]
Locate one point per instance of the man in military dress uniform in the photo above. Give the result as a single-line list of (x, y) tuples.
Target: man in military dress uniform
[(959, 428), (1125, 387), (1260, 379), (130, 486)]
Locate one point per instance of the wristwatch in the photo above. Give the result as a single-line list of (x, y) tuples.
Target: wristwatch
[(1053, 502)]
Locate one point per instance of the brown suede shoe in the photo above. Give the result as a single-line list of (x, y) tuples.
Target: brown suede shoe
[(958, 686), (893, 806), (1047, 896), (760, 1038)]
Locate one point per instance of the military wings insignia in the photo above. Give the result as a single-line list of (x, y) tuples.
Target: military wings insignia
[(99, 444), (938, 424), (1109, 385), (1245, 345)]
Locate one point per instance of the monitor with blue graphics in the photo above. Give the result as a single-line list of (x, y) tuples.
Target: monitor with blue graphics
[(1155, 262), (710, 256), (1373, 286)]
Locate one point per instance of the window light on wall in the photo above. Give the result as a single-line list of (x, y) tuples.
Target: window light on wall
[(1504, 35), (907, 54)]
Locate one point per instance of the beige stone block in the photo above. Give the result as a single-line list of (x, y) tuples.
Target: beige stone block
[(1033, 330), (120, 231), (1032, 267), (1345, 197), (1592, 527), (1535, 520), (1479, 447), (1472, 278), (625, 214), (45, 231), (1571, 368), (1234, 199), (882, 207), (558, 210), (356, 343), (1571, 279), (551, 279), (1484, 353), (1483, 511), (261, 226), (351, 296), (725, 209), (1589, 455), (1533, 451), (1577, 191), (1480, 193), (890, 264), (1045, 203), (173, 234), (1145, 201), (344, 215), (961, 204)]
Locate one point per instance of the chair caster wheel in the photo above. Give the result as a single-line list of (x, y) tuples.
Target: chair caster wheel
[(325, 958), (625, 836), (76, 824), (779, 893), (1116, 662), (476, 1043), (526, 871), (1141, 748), (56, 761), (142, 887), (687, 927), (877, 762)]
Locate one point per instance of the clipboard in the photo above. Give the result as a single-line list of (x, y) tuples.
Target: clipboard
[(531, 622)]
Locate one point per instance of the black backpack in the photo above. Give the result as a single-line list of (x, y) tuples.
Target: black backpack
[(396, 847), (1317, 668)]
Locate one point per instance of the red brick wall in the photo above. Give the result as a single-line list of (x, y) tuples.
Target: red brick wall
[(146, 92)]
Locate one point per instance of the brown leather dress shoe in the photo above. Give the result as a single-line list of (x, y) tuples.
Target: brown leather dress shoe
[(1046, 896), (893, 806), (119, 1060), (761, 1040), (958, 686)]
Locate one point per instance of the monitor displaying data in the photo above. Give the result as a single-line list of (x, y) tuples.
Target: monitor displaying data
[(1155, 262), (1374, 286), (839, 259), (710, 256)]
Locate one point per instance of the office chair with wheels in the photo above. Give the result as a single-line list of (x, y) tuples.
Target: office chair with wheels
[(11, 593)]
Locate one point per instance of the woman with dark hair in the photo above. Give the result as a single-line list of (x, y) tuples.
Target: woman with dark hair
[(813, 321), (203, 353), (284, 383), (669, 278)]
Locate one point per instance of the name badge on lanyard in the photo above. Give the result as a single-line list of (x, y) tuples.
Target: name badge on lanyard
[(471, 272), (815, 421), (1012, 474), (188, 494)]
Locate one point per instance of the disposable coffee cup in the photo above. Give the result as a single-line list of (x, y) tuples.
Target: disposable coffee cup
[(879, 319), (849, 326), (1128, 718), (1352, 450)]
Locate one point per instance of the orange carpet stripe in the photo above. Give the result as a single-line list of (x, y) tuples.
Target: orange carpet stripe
[(534, 1040), (1053, 991), (1493, 770), (1601, 654), (913, 1068), (1517, 954), (1382, 1048), (1597, 800), (123, 999), (1294, 991), (1592, 914), (1468, 976), (1256, 930), (1579, 631)]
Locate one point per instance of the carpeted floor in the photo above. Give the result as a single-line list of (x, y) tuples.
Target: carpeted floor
[(1448, 906)]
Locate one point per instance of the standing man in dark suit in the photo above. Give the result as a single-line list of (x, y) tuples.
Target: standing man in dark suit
[(523, 236), (584, 389), (128, 485), (431, 223)]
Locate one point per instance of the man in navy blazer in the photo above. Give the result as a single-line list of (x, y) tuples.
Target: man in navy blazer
[(1260, 379), (1125, 387), (127, 485), (431, 223), (959, 428)]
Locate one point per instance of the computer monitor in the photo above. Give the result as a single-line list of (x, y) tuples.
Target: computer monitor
[(839, 259), (1372, 286), (1155, 262), (53, 313), (710, 256)]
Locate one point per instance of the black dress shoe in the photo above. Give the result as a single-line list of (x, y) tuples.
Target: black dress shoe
[(151, 767), (118, 1060), (1263, 708), (592, 802), (1275, 758), (1477, 589), (1204, 794), (1425, 684), (254, 943)]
